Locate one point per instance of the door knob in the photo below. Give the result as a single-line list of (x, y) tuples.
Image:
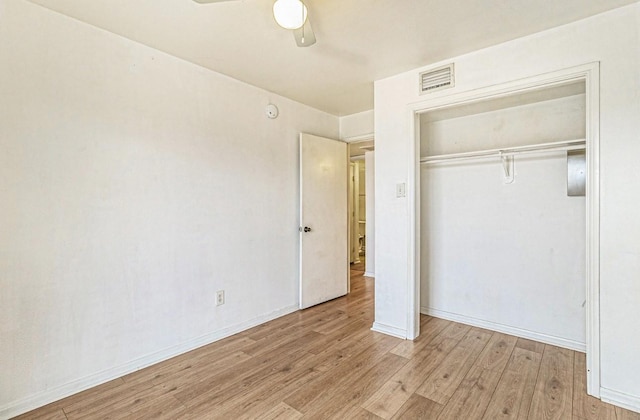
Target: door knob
[(307, 229)]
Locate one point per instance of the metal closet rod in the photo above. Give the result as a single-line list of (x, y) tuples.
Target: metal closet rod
[(508, 151)]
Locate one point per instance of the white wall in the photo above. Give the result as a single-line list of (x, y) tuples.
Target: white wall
[(612, 39), (356, 127), (506, 256), (509, 257), (546, 120), (124, 178), (370, 261)]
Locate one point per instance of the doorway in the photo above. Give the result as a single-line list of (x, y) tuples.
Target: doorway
[(361, 206)]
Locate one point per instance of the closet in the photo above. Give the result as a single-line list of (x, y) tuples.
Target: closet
[(502, 230)]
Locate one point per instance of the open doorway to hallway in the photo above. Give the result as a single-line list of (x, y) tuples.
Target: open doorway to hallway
[(361, 206)]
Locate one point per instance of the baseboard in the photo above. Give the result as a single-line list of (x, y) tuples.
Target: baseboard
[(62, 391), (389, 330), (620, 399), (368, 274), (507, 329)]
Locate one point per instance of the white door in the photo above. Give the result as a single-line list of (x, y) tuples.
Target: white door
[(324, 229)]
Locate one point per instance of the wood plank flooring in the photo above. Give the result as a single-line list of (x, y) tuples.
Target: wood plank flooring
[(326, 363)]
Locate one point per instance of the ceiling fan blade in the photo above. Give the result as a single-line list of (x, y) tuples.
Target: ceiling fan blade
[(210, 1), (304, 36)]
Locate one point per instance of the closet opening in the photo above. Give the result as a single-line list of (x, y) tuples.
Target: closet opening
[(506, 220), (503, 242)]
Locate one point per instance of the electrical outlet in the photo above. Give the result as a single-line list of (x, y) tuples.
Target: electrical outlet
[(220, 297)]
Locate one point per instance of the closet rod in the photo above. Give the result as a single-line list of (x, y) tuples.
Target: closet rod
[(509, 151)]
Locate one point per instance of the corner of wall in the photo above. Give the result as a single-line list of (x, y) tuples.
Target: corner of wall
[(357, 127)]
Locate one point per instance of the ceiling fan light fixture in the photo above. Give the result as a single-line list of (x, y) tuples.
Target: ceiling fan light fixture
[(290, 14)]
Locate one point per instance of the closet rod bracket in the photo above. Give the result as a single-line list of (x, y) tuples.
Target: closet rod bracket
[(507, 165)]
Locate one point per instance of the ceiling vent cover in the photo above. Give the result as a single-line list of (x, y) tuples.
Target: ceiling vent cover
[(440, 78)]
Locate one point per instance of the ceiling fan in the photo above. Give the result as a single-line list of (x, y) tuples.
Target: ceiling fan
[(289, 14)]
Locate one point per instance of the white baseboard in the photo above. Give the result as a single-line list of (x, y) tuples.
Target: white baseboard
[(507, 329), (389, 330), (59, 392), (620, 399), (368, 274)]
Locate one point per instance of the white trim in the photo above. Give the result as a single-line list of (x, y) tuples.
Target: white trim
[(590, 75), (592, 86), (413, 233), (506, 329), (301, 221), (389, 330), (43, 398), (368, 274), (358, 138), (620, 399)]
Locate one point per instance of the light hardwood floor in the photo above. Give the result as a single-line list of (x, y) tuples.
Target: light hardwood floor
[(326, 363)]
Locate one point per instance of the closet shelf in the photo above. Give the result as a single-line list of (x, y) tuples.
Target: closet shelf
[(508, 151)]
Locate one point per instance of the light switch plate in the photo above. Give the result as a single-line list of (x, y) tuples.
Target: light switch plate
[(401, 190)]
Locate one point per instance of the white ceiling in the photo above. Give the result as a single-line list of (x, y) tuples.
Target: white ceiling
[(359, 41)]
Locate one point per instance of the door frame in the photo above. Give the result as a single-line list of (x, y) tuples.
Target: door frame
[(354, 211), (356, 163), (589, 74)]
